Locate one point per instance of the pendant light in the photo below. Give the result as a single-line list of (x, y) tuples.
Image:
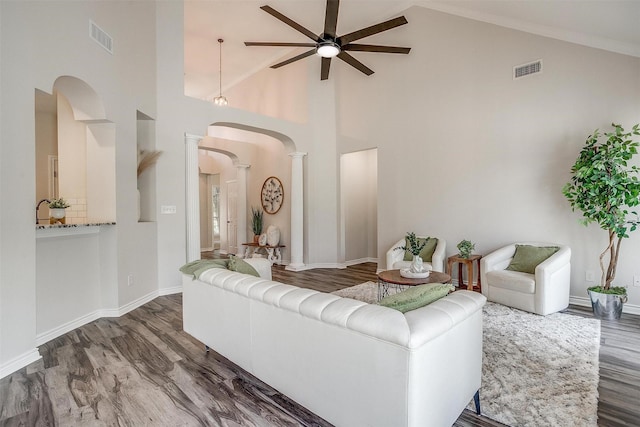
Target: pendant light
[(220, 100)]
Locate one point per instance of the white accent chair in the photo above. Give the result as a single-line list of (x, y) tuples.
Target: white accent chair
[(395, 258), (544, 292)]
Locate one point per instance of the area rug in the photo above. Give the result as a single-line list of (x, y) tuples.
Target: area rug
[(537, 370)]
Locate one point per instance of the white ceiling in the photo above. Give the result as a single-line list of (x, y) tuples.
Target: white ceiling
[(608, 24)]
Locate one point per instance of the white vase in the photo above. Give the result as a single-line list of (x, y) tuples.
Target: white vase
[(273, 235), (417, 265)]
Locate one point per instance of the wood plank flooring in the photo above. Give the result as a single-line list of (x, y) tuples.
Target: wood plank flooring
[(142, 370)]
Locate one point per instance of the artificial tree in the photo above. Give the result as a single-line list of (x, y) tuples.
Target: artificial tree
[(257, 215), (604, 184)]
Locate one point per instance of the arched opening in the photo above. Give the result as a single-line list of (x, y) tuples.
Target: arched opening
[(294, 195), (75, 151)]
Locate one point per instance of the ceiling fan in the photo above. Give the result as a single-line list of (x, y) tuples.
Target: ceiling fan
[(329, 44)]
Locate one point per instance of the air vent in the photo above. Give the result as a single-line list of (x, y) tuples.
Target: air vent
[(527, 69), (102, 38)]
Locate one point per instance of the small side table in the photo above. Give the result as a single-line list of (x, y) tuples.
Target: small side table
[(469, 262), (274, 255)]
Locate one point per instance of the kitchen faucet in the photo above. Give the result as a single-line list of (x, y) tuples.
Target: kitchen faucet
[(38, 207)]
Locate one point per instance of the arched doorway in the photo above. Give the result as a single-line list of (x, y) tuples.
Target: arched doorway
[(295, 194)]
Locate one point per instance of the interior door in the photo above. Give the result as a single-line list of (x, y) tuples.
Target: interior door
[(232, 217)]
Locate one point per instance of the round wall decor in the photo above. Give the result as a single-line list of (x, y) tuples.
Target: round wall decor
[(272, 195)]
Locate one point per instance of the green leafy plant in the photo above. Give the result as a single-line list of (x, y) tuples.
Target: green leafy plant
[(603, 186), (466, 247), (414, 244), (59, 203), (256, 220)]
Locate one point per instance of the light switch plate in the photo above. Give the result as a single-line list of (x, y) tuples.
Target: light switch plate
[(167, 209)]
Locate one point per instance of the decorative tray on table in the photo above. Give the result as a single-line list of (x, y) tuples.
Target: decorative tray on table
[(406, 273)]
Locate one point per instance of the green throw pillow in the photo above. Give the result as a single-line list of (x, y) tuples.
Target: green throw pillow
[(197, 267), (426, 253), (241, 266), (527, 257), (416, 296)]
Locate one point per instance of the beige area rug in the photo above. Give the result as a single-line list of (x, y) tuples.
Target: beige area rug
[(537, 370)]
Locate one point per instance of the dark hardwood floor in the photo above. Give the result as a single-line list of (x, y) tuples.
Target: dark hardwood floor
[(142, 370)]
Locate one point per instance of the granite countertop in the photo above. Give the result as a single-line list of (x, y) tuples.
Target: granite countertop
[(87, 224)]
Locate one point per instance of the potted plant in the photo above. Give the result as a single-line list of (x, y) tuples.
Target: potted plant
[(414, 245), (603, 186), (466, 247), (57, 210), (256, 223)]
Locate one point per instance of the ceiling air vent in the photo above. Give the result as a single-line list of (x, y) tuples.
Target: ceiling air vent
[(102, 38), (527, 69)]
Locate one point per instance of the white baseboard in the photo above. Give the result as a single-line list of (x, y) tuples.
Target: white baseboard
[(170, 291), (67, 327), (105, 312), (19, 362), (586, 302), (131, 305), (360, 261)]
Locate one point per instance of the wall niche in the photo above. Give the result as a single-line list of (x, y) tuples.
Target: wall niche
[(147, 153)]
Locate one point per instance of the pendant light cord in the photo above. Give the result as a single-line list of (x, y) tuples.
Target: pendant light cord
[(220, 80)]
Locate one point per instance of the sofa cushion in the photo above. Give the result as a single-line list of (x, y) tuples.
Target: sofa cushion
[(241, 266), (527, 257), (426, 253), (512, 280), (416, 296)]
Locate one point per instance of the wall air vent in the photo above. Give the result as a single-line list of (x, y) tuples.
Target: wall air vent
[(527, 69), (102, 38)]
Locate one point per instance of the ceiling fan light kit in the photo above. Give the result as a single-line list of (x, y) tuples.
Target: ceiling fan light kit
[(329, 45), (328, 49)]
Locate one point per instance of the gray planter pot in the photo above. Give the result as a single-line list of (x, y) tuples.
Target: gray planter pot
[(607, 306)]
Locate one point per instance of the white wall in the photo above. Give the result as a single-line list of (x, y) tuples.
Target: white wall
[(72, 153), (466, 152), (46, 145), (40, 41), (68, 287)]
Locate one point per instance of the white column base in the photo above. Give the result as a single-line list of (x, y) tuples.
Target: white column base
[(295, 267)]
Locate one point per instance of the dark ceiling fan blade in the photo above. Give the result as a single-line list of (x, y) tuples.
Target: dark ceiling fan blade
[(295, 58), (331, 18), (280, 44), (375, 48), (290, 22), (374, 29), (355, 63), (324, 71)]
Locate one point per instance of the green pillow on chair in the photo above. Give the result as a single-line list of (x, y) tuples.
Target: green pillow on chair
[(527, 257), (416, 296), (426, 253)]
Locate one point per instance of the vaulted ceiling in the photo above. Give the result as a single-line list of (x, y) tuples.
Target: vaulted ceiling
[(607, 24)]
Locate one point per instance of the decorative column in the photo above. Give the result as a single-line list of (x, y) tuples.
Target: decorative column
[(241, 178), (192, 197), (297, 213)]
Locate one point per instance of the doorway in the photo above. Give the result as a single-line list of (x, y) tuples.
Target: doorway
[(209, 212), (232, 217), (359, 206)]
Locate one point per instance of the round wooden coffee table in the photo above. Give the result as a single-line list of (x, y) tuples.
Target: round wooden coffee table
[(389, 279)]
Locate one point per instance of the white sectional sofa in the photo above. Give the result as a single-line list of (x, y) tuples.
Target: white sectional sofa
[(352, 363)]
